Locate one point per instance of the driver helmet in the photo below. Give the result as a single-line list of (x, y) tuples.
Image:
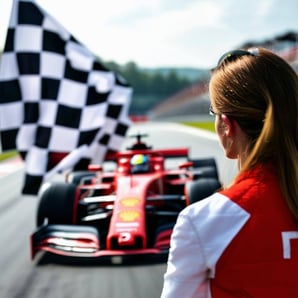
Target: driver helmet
[(139, 163)]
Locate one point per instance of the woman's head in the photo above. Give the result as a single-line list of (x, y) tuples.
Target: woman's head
[(258, 90)]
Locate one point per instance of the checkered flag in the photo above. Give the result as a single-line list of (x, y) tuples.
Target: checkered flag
[(59, 107)]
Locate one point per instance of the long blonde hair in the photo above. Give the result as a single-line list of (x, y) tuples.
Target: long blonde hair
[(260, 91)]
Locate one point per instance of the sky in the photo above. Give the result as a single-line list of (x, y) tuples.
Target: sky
[(166, 33)]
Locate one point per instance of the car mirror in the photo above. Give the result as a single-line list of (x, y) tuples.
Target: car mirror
[(185, 165), (94, 168)]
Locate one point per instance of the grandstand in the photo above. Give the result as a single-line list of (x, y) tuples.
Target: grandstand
[(194, 100)]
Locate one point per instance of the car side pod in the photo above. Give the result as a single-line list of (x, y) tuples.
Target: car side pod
[(68, 240)]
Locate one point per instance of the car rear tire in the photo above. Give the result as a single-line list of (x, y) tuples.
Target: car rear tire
[(57, 204), (201, 188), (204, 167)]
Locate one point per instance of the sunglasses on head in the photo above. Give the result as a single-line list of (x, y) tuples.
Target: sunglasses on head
[(232, 56), (235, 54)]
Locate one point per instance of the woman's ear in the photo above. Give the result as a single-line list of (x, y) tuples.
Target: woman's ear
[(228, 125)]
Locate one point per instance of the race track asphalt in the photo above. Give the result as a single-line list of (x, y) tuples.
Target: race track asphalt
[(46, 277)]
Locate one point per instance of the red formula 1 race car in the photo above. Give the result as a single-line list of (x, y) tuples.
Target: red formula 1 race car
[(127, 211)]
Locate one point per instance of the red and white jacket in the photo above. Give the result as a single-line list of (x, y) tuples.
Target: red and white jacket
[(240, 242)]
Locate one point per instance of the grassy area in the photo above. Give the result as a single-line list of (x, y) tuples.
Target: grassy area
[(202, 125), (7, 155)]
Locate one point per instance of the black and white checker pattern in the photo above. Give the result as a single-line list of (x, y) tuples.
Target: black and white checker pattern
[(56, 97)]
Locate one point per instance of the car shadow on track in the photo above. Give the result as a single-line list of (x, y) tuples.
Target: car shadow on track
[(137, 260)]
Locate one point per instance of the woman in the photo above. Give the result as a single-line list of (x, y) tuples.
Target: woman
[(243, 240)]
